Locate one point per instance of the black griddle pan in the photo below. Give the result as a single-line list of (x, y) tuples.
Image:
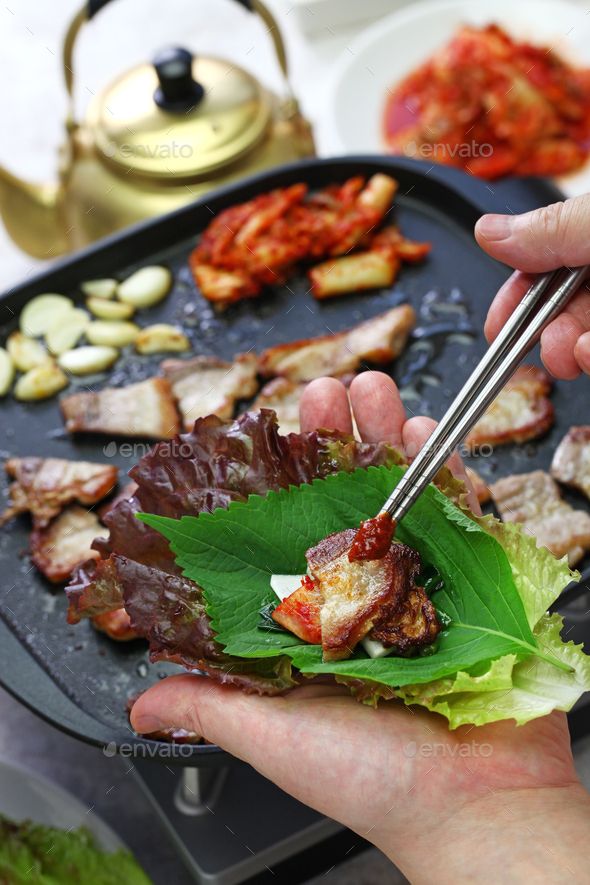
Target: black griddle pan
[(80, 680)]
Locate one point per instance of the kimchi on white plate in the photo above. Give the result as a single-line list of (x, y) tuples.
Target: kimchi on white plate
[(382, 55)]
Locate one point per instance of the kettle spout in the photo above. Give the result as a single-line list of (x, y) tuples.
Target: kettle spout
[(32, 215)]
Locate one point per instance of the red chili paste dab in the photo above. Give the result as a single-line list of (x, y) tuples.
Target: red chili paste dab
[(373, 539)]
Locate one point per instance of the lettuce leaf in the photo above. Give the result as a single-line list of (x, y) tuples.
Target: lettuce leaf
[(538, 575), (509, 689), (521, 691)]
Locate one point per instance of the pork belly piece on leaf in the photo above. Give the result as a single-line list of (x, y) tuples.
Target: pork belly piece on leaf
[(571, 461), (65, 543), (356, 595), (412, 626), (206, 385), (146, 409), (44, 486), (378, 340), (533, 499), (521, 411)]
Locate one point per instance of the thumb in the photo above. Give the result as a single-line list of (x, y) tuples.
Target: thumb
[(544, 239)]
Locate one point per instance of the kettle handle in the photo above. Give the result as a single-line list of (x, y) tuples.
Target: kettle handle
[(92, 7)]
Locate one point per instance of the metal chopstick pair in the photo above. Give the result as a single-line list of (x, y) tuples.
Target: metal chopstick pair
[(519, 334)]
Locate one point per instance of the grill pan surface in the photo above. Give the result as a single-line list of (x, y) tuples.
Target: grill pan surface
[(80, 680)]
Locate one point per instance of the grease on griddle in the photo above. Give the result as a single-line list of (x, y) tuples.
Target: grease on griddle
[(443, 319)]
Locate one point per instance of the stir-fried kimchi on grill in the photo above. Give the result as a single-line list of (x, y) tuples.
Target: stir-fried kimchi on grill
[(493, 106), (259, 243)]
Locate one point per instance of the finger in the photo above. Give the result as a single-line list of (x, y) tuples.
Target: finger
[(547, 238), (558, 344), (415, 435), (324, 404), (505, 302), (559, 340), (582, 352), (378, 410), (512, 292)]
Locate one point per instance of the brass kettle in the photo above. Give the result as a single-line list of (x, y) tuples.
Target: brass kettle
[(156, 138)]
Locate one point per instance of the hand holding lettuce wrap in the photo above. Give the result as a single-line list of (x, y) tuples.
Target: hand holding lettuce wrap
[(460, 802)]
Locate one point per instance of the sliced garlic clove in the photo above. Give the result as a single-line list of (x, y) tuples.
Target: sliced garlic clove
[(26, 353), (109, 310), (88, 360), (67, 331), (40, 383), (161, 338), (145, 287), (113, 333), (100, 288), (42, 312), (6, 371)]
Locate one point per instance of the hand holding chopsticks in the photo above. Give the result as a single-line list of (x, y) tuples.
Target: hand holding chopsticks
[(544, 300)]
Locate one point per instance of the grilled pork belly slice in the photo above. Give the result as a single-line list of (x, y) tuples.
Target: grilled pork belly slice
[(65, 543), (413, 625), (116, 625), (44, 486), (146, 409), (533, 499), (356, 595), (282, 396), (125, 494), (571, 461), (521, 411), (206, 385), (377, 340)]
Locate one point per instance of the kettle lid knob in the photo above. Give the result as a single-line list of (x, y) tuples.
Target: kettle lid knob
[(177, 89)]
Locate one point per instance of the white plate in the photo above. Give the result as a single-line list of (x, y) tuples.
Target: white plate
[(388, 50), (28, 796)]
